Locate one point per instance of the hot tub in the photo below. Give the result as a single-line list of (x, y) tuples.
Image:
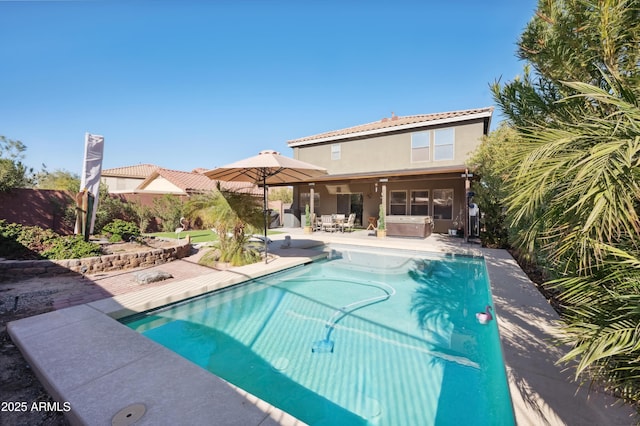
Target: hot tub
[(409, 226)]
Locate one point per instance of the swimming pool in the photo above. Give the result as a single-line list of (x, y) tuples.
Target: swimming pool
[(364, 337)]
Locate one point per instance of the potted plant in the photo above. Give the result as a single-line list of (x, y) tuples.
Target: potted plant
[(307, 220), (454, 230), (382, 230)]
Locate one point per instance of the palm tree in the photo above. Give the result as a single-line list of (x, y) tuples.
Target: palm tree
[(233, 216), (580, 181), (575, 179)]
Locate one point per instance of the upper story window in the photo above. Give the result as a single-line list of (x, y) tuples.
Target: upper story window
[(335, 151), (420, 146), (443, 144)]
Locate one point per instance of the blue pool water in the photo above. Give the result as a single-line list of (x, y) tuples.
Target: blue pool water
[(364, 337)]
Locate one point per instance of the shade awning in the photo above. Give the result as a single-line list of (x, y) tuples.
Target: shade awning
[(267, 167)]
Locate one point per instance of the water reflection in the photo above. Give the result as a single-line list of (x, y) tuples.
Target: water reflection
[(439, 305)]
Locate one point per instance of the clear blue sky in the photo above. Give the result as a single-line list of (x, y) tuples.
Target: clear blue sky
[(186, 84)]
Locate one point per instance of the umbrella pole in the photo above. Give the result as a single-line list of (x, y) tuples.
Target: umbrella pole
[(264, 214)]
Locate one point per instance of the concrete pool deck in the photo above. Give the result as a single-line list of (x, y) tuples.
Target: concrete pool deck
[(110, 374)]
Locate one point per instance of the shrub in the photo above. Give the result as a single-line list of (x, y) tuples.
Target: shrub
[(71, 248), (24, 242), (110, 208), (121, 230), (9, 245), (381, 225), (169, 210), (36, 238), (33, 242)]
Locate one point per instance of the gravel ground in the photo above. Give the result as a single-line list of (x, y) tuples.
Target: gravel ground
[(19, 387)]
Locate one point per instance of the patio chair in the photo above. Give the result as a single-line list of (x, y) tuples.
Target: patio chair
[(328, 223), (316, 222), (350, 223)]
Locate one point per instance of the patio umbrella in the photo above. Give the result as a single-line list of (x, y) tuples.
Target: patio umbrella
[(266, 168)]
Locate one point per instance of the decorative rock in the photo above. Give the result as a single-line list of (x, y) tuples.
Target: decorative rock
[(151, 277)]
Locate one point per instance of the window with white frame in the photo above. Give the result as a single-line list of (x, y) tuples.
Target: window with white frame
[(420, 147), (420, 203), (335, 151), (443, 144), (443, 204), (398, 202)]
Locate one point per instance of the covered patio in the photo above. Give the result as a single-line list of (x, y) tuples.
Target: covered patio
[(439, 194)]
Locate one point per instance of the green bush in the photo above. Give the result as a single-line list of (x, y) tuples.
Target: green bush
[(10, 247), (110, 208), (121, 230), (24, 242), (72, 248), (168, 209), (33, 242), (381, 218)]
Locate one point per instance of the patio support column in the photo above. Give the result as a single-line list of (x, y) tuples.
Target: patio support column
[(311, 196), (383, 194), (467, 188), (264, 215)]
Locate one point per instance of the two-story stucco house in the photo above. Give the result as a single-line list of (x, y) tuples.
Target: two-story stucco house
[(413, 165)]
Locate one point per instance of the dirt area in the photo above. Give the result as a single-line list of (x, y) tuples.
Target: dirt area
[(18, 383), (146, 244), (19, 387)]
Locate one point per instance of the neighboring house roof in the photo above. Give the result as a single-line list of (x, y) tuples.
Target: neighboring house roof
[(396, 123), (137, 171), (190, 182)]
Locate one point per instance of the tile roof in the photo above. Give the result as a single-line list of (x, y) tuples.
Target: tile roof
[(191, 182), (186, 181), (395, 123), (137, 171)]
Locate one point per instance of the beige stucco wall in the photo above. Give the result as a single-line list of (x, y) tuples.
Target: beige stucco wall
[(121, 184), (389, 152), (160, 184)]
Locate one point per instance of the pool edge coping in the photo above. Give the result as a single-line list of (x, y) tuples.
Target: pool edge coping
[(32, 333)]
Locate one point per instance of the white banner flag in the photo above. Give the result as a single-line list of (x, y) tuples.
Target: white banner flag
[(91, 171)]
